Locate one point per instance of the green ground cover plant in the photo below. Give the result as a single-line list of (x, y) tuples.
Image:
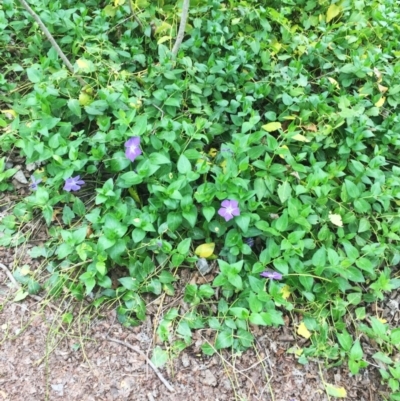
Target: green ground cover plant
[(269, 144)]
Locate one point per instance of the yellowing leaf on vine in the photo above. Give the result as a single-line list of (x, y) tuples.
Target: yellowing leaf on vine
[(223, 165), (378, 74), (109, 10), (84, 65), (135, 195), (333, 11), (382, 88), (336, 219), (282, 156), (163, 39), (334, 82), (10, 114), (382, 320), (301, 138), (285, 291), (311, 127), (119, 3), (205, 250), (272, 126), (380, 102), (213, 152), (338, 392), (303, 331), (163, 27)]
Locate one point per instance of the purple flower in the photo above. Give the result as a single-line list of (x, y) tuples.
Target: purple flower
[(73, 183), (132, 148), (229, 209), (249, 242), (271, 275), (35, 183)]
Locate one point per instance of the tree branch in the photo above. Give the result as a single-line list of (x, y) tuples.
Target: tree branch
[(52, 40), (182, 25)]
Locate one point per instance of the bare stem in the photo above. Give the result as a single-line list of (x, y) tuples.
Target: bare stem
[(140, 352), (51, 40), (182, 25)]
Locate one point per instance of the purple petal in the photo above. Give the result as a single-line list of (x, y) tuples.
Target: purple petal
[(223, 212), (226, 203), (234, 204), (271, 275), (236, 212), (134, 141)]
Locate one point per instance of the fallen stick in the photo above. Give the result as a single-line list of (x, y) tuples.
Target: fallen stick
[(141, 353), (52, 41), (18, 286)]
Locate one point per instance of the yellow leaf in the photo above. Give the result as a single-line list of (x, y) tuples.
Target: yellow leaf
[(382, 320), (380, 102), (84, 65), (334, 82), (378, 74), (109, 10), (338, 392), (283, 147), (336, 219), (119, 3), (135, 195), (163, 39), (303, 331), (213, 152), (10, 114), (223, 165), (285, 291), (311, 127), (333, 11), (272, 126), (205, 250), (301, 138), (382, 89)]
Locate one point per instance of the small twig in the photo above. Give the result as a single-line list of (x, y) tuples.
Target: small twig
[(135, 17), (16, 284), (141, 353), (150, 397), (52, 41), (9, 275), (182, 25)]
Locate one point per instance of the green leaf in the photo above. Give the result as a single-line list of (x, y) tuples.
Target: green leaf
[(356, 352), (34, 74), (184, 246), (140, 125), (345, 340), (270, 127), (224, 339), (160, 357), (208, 212), (284, 191), (74, 106), (281, 224), (243, 222), (158, 158), (352, 190), (184, 165), (235, 280), (191, 215)]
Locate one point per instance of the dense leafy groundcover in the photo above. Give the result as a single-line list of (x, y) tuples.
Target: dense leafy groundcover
[(270, 143)]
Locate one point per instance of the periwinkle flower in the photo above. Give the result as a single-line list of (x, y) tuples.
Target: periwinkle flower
[(229, 209), (34, 185), (73, 183), (249, 242), (133, 148), (271, 275)]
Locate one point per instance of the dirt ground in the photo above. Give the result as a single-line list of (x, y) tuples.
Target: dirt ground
[(42, 358)]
